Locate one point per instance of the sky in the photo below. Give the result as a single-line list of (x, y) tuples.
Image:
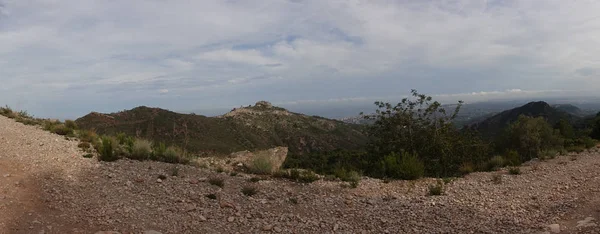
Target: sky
[(66, 58)]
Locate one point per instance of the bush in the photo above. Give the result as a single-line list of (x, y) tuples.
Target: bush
[(514, 171), (219, 182), (548, 154), (512, 158), (589, 142), (141, 149), (495, 163), (87, 136), (405, 166), (249, 190), (71, 124), (84, 145), (576, 148), (466, 168), (351, 176), (303, 176), (62, 130), (106, 150), (262, 165), (437, 189), (530, 136)]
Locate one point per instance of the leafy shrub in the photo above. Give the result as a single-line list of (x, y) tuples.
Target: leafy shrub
[(404, 166), (512, 158), (141, 149), (249, 190), (106, 150), (159, 151), (447, 180), (589, 142), (465, 168), (530, 136), (514, 171), (262, 165), (495, 163), (303, 176), (548, 154), (437, 189), (576, 148), (349, 176), (84, 145), (87, 136), (62, 130), (71, 124), (219, 182)]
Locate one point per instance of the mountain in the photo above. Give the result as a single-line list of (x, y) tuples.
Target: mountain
[(494, 125), (571, 109), (260, 126)]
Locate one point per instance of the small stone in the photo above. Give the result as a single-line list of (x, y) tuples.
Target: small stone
[(336, 227), (6, 175), (202, 218), (267, 227), (139, 180), (158, 181), (129, 183), (554, 228), (277, 229), (107, 232), (203, 179), (230, 219), (194, 181)]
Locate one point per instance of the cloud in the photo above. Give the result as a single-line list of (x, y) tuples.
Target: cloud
[(214, 52)]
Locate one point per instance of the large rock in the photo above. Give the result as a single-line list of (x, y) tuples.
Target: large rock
[(275, 155)]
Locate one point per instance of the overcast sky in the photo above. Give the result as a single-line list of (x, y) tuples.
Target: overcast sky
[(69, 57)]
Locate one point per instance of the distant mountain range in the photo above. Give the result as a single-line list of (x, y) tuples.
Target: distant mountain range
[(260, 126)]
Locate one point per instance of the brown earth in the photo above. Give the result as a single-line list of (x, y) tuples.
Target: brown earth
[(46, 186)]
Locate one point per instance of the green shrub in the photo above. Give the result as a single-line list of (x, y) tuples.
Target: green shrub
[(71, 124), (62, 130), (303, 176), (216, 181), (249, 190), (465, 168), (512, 158), (405, 166), (158, 152), (106, 150), (141, 149), (261, 165), (84, 145), (548, 154), (576, 148), (589, 142), (87, 136), (447, 180), (353, 177), (174, 155), (495, 163), (514, 171), (88, 155), (437, 189)]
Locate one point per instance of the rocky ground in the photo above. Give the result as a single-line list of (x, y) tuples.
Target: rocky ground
[(46, 186)]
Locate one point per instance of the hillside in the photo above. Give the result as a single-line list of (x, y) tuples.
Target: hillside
[(255, 127), (571, 109), (46, 186), (494, 125)]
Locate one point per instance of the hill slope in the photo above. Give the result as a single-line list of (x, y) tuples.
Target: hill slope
[(255, 127), (494, 125)]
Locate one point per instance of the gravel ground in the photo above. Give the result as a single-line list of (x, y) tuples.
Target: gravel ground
[(46, 186)]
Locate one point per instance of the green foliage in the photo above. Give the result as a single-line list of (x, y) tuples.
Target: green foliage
[(216, 181), (88, 155), (353, 177), (530, 136), (565, 129), (512, 158), (71, 124), (302, 176), (495, 163), (403, 166), (159, 151), (466, 168), (249, 190), (514, 171), (87, 136), (84, 145), (421, 126), (576, 148), (62, 130), (595, 133), (437, 189), (106, 150), (141, 149)]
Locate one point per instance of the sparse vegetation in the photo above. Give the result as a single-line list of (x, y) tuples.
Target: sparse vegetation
[(216, 181), (141, 149), (298, 175), (88, 155), (495, 163), (174, 171), (107, 149), (436, 189), (497, 179), (262, 165), (249, 190), (514, 171)]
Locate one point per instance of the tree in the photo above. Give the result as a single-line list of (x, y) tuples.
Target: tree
[(419, 126), (530, 136), (565, 129)]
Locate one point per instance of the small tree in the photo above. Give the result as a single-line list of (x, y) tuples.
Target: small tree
[(530, 136)]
